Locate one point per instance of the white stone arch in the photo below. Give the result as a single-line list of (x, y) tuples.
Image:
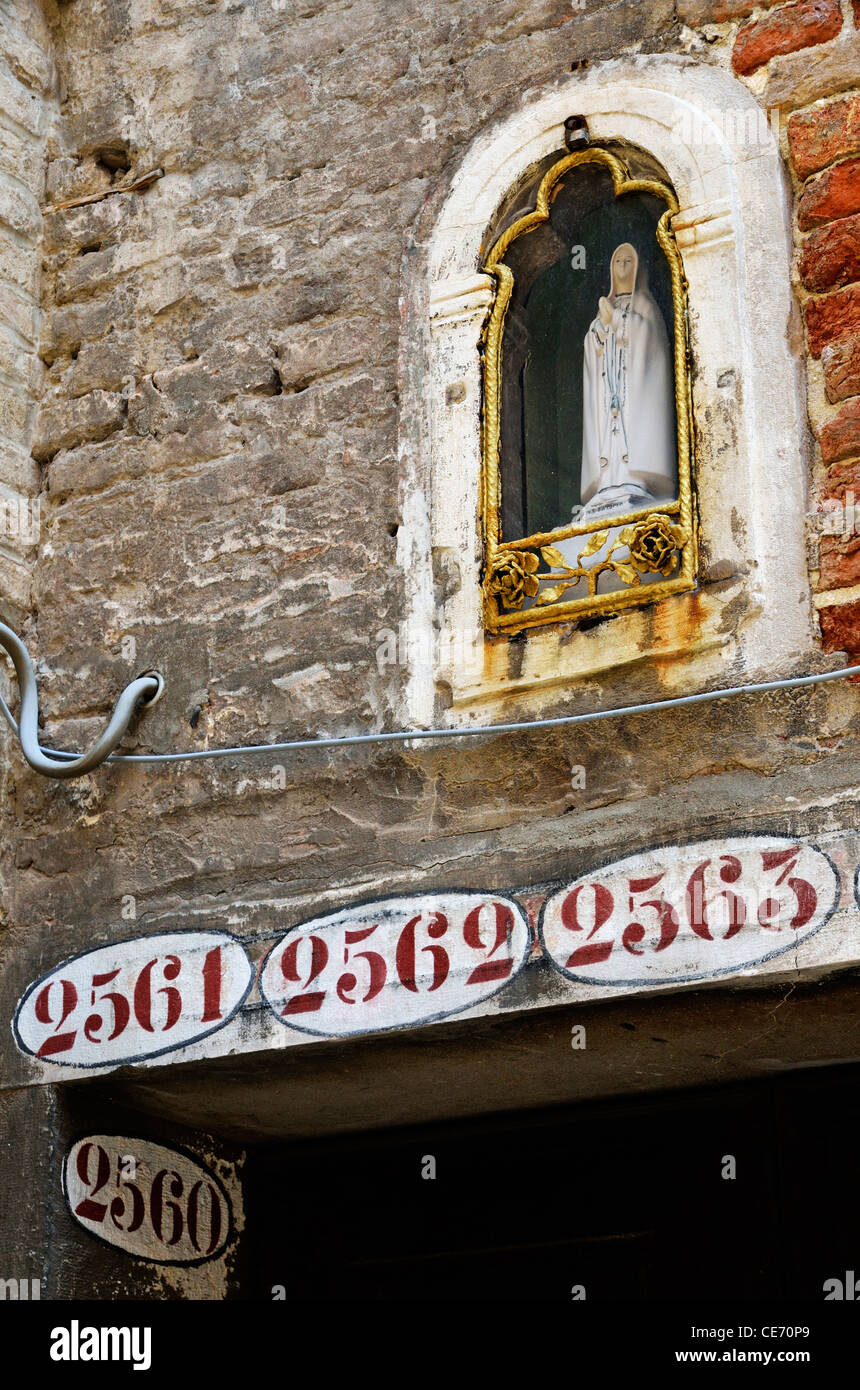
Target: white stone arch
[(753, 614)]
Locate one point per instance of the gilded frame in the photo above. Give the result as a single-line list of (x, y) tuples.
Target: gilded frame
[(511, 568)]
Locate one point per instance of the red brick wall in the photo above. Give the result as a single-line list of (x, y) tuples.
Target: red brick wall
[(789, 53), (824, 142), (785, 29), (715, 11)]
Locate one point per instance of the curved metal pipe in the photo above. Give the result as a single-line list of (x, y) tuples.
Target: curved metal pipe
[(145, 689), (54, 763)]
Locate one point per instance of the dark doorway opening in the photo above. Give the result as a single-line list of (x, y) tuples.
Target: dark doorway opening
[(627, 1200)]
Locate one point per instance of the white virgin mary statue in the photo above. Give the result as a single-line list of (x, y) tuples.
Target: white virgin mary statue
[(629, 446)]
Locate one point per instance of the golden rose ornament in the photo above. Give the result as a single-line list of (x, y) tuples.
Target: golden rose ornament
[(653, 544), (512, 577)]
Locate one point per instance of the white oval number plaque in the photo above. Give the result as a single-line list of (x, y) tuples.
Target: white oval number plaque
[(134, 999), (395, 963), (689, 912), (148, 1200)]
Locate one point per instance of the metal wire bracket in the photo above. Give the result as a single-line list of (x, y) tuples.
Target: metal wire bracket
[(146, 689)]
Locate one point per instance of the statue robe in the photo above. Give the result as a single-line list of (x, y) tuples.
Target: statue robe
[(629, 400)]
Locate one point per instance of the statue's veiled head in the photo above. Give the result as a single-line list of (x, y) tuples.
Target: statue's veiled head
[(624, 268)]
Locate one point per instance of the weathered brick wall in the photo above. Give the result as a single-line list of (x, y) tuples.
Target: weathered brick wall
[(804, 59), (825, 144), (786, 29)]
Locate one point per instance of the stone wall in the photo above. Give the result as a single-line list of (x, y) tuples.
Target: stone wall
[(217, 437), (216, 455), (27, 92)]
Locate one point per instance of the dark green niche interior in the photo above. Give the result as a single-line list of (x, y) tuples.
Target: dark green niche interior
[(551, 309)]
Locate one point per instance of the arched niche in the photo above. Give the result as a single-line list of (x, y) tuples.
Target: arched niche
[(751, 614)]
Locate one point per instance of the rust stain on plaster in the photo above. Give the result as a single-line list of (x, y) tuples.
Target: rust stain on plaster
[(676, 626), (497, 661)]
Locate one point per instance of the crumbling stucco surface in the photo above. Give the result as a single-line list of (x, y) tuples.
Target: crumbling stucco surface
[(216, 456)]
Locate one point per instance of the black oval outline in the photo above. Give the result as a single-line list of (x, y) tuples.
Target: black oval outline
[(232, 1231), (142, 1056), (381, 902), (686, 979)]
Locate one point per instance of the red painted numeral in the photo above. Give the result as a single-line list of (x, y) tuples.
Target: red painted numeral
[(405, 955), (212, 972), (377, 968), (594, 952), (118, 1205), (634, 934), (119, 1004), (58, 1042), (215, 1216), (306, 1002), (697, 908), (143, 995), (170, 1213), (504, 926), (784, 859), (90, 1210), (807, 898), (157, 1204)]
